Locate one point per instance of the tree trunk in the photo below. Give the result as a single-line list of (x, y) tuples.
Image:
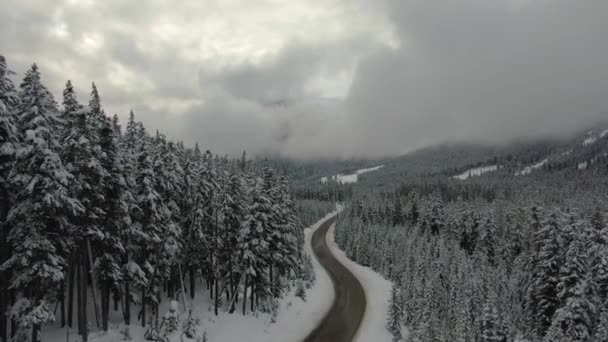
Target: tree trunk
[(93, 280), (143, 306), (116, 296), (35, 332), (79, 294), (192, 282), (170, 293), (3, 308), (4, 255), (127, 310), (62, 302), (71, 276), (127, 303), (252, 298), (105, 305), (13, 321), (245, 296), (83, 288), (217, 297), (210, 287)]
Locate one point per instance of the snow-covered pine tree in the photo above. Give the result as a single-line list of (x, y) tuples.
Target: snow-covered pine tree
[(151, 219), (82, 154), (9, 141), (167, 183), (40, 217), (70, 108), (395, 314), (573, 270), (488, 240), (293, 234), (491, 331), (253, 243), (276, 230), (599, 271), (113, 225), (601, 331), (541, 300), (574, 320), (133, 274), (233, 213)]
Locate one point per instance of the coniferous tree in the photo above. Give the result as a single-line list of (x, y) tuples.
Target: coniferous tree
[(394, 315), (40, 216), (9, 141)]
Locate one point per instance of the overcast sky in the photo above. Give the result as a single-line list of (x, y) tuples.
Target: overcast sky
[(324, 78)]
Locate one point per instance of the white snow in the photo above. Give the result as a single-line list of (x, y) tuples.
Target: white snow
[(296, 318), (478, 171), (352, 177), (375, 168), (528, 169), (589, 141), (582, 166), (604, 133), (377, 294)]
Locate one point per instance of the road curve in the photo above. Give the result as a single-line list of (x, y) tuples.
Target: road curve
[(343, 319)]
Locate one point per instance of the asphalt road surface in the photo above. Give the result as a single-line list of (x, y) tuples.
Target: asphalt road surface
[(343, 319)]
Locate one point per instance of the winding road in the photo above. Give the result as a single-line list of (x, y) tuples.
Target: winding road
[(343, 319)]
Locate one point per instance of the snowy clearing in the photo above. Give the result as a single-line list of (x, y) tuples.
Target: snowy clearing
[(351, 177), (582, 166), (478, 171), (377, 293), (589, 141), (296, 318), (528, 169)]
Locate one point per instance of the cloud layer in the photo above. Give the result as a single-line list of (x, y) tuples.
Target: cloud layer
[(325, 78), (483, 70)]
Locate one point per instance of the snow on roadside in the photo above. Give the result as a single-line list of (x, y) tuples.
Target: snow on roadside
[(377, 294), (295, 320)]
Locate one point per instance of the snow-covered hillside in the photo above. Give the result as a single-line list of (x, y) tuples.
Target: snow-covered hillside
[(478, 171), (352, 177), (528, 169)]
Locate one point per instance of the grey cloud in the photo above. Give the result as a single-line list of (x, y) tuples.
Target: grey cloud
[(479, 70), (285, 77), (464, 70)]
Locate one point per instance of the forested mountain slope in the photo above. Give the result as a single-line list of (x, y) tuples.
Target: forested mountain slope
[(503, 256)]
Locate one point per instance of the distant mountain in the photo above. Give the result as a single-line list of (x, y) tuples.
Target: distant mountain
[(583, 151)]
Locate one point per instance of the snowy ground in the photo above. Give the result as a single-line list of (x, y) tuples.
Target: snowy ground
[(352, 177), (377, 293), (528, 169), (589, 141), (295, 321), (476, 172)]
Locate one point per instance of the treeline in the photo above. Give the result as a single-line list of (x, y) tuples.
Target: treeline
[(329, 191), (310, 211), (88, 211), (481, 270)]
